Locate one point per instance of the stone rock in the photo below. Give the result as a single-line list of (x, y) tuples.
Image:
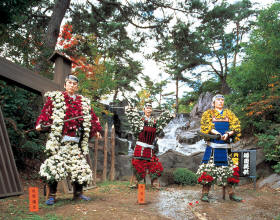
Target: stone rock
[(118, 117), (188, 137), (167, 177), (172, 159), (273, 181), (122, 146), (203, 103), (123, 167)]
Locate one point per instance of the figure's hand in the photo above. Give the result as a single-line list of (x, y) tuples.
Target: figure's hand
[(225, 137), (213, 131), (98, 135), (38, 127)]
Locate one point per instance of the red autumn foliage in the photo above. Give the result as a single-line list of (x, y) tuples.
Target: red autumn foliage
[(269, 103), (70, 44)]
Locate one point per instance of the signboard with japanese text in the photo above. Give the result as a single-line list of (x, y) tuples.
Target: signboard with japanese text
[(246, 161)]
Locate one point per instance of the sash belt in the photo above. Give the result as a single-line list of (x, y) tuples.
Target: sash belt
[(69, 138), (144, 145), (216, 145)]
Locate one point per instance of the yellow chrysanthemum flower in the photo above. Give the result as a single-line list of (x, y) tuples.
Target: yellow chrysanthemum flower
[(207, 125)]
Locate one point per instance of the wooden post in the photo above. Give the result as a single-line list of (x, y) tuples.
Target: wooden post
[(95, 160), (141, 193), (224, 192), (62, 68), (33, 199), (112, 171), (104, 177)]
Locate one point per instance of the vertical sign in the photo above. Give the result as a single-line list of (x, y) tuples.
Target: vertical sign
[(246, 164), (246, 161), (236, 158), (33, 199), (141, 193)]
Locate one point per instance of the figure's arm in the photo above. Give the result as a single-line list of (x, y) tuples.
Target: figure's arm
[(207, 125), (234, 126), (45, 117), (134, 120), (95, 126), (163, 120)]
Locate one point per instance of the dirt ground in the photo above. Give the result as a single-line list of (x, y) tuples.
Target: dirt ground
[(115, 200)]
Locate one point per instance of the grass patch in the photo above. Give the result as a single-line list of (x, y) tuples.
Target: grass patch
[(115, 183), (108, 186)]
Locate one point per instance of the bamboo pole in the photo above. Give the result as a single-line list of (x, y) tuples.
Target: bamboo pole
[(95, 160), (104, 177), (112, 171)]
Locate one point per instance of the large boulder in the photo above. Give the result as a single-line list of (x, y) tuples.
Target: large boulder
[(122, 146), (123, 167), (172, 159), (203, 103), (272, 181), (188, 137)]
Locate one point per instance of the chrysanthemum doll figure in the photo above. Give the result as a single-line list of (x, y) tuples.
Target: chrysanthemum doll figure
[(67, 143), (146, 128), (216, 166)]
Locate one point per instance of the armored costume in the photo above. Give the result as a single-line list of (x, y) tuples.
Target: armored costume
[(217, 166), (67, 143), (222, 122), (145, 130)]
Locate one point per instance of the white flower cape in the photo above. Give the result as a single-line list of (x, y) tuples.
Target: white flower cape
[(66, 158)]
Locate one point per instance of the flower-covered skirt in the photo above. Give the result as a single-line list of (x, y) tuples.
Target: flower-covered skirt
[(209, 173), (68, 162), (143, 167)]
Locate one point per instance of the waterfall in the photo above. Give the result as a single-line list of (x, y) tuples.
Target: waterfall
[(175, 131)]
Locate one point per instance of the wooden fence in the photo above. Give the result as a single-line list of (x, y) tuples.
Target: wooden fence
[(10, 184)]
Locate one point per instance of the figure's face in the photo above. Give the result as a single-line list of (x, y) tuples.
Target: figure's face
[(71, 86), (148, 111), (219, 103)]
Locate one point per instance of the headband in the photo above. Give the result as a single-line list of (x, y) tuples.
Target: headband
[(72, 77)]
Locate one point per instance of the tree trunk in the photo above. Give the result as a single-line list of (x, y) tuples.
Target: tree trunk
[(95, 161), (237, 44), (225, 89), (160, 97), (115, 95), (52, 33), (104, 176), (177, 92), (112, 171)]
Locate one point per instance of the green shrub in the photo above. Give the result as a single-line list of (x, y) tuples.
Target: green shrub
[(183, 176), (270, 141)]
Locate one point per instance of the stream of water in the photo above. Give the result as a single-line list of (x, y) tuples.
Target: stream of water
[(170, 142)]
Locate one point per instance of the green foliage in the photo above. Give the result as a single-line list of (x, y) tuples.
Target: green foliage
[(10, 10), (256, 85), (20, 109), (254, 82), (183, 176), (270, 141)]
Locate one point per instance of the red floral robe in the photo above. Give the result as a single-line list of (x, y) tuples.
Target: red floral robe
[(73, 109)]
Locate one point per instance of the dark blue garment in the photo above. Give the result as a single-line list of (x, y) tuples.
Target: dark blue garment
[(220, 155)]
